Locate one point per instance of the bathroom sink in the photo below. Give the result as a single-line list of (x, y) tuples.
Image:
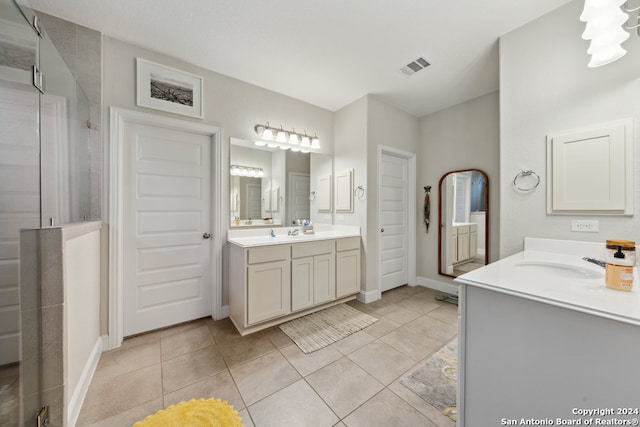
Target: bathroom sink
[(558, 269)]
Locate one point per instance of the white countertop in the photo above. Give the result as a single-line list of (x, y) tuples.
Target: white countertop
[(553, 272), (262, 237)]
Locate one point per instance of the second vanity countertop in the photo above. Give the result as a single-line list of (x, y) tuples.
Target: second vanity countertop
[(262, 237), (553, 272)]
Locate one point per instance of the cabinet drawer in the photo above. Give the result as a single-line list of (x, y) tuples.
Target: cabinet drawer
[(269, 253), (300, 250), (463, 229), (473, 228), (348, 244)]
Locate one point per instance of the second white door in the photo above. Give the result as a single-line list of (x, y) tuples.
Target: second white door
[(393, 221), (167, 245)]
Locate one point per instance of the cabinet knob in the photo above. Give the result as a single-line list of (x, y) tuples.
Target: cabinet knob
[(206, 235), (382, 230)]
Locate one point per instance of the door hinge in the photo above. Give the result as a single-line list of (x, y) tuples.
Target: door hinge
[(35, 24), (38, 79), (42, 416)]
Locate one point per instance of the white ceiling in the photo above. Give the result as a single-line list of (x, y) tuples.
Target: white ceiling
[(325, 52)]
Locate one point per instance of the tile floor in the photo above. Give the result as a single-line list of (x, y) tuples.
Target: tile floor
[(354, 382)]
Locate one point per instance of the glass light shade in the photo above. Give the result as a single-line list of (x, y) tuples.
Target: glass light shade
[(594, 7), (604, 23), (267, 134), (234, 170), (260, 173), (610, 40), (304, 151), (293, 139), (272, 145), (295, 149), (306, 142), (283, 147), (282, 136), (606, 56), (252, 173), (243, 172), (260, 143), (315, 142)]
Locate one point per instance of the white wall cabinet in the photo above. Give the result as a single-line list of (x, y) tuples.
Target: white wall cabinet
[(276, 283)]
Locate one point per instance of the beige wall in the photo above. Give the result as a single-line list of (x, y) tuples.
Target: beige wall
[(230, 104), (545, 86), (465, 136), (390, 127)]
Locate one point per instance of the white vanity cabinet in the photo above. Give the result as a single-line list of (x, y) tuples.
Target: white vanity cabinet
[(313, 276), (347, 266), (273, 283), (464, 242)]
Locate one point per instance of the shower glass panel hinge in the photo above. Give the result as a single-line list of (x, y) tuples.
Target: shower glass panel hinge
[(38, 79), (35, 24), (42, 417)]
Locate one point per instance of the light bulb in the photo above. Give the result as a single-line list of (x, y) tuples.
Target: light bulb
[(260, 143), (284, 147), (272, 145), (295, 149)]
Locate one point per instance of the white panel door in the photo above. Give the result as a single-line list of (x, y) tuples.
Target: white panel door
[(393, 221), (167, 265), (298, 195)]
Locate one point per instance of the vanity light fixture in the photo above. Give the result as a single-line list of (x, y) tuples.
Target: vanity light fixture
[(239, 170), (604, 27), (285, 139)]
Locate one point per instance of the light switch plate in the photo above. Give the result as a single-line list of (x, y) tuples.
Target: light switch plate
[(585, 225)]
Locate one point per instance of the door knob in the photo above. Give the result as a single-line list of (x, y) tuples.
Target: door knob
[(206, 235), (382, 230)]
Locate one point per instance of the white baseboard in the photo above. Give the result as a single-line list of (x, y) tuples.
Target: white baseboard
[(224, 312), (449, 288), (77, 398), (369, 296)]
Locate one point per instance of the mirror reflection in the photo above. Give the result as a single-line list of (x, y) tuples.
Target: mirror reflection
[(270, 187), (464, 218)]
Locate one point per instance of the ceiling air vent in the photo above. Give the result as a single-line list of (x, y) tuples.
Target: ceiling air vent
[(415, 66)]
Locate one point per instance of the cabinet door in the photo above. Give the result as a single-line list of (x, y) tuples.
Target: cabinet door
[(302, 283), (473, 244), (454, 246), (463, 247), (347, 272), (324, 278), (268, 291)]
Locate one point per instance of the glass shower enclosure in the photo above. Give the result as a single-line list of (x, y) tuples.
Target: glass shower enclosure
[(45, 181)]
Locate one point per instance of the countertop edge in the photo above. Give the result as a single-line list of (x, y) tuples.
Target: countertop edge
[(238, 241), (549, 301)]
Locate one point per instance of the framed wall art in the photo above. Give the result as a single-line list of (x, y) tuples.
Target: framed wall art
[(167, 89)]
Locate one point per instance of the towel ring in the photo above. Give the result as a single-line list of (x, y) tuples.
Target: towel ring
[(525, 173), (359, 192), (312, 196)]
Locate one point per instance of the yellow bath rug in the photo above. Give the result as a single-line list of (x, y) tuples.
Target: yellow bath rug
[(194, 413)]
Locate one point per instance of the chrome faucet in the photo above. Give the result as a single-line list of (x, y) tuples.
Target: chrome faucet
[(594, 261), (292, 232)]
